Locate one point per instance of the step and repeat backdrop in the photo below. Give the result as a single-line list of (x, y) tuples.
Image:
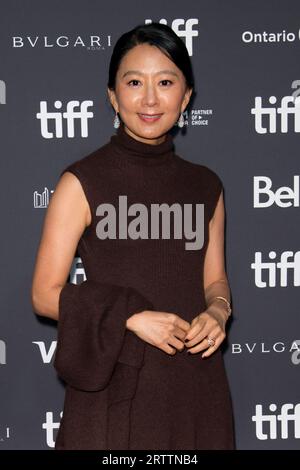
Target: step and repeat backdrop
[(244, 123)]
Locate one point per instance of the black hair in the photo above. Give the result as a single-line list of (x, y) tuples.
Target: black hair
[(155, 34)]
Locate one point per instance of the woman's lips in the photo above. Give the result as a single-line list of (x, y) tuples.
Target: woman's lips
[(149, 117)]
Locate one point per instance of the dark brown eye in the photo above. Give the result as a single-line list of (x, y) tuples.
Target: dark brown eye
[(132, 81), (166, 81)]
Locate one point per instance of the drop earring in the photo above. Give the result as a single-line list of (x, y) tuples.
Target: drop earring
[(116, 121), (180, 122)]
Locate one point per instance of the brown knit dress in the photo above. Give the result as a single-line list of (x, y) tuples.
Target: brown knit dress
[(181, 401)]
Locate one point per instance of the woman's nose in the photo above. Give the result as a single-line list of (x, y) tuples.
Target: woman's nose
[(150, 95)]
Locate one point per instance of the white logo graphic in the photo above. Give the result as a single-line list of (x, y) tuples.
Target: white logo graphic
[(183, 28), (77, 272), (50, 426), (46, 355), (41, 200), (282, 197), (4, 433), (295, 86), (70, 115), (2, 352), (90, 42), (272, 268), (197, 117), (290, 106), (266, 425), (295, 358), (200, 117), (2, 92)]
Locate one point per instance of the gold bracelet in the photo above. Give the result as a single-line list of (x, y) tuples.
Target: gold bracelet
[(227, 303)]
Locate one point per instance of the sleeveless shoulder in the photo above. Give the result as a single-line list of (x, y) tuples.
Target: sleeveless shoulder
[(80, 168), (214, 189), (205, 180), (86, 170), (86, 166)]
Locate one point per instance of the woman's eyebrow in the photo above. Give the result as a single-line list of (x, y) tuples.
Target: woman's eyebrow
[(137, 72)]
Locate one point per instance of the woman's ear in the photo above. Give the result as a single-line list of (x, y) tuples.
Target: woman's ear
[(186, 99), (112, 99)]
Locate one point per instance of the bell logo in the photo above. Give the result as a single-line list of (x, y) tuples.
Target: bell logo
[(267, 427), (284, 196)]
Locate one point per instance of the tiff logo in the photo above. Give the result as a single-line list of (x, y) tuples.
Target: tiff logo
[(290, 106), (70, 116), (49, 425), (282, 197), (2, 352), (41, 200), (183, 28), (266, 425), (271, 268), (2, 92)]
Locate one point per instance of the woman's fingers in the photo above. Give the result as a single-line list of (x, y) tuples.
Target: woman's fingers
[(217, 335), (176, 343), (211, 349), (203, 344), (197, 329), (179, 322), (200, 332)]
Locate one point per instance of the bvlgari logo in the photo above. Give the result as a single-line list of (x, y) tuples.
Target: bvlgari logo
[(138, 228), (291, 348), (62, 42)]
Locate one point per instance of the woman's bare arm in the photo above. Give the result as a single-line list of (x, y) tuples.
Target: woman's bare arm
[(215, 277), (68, 214), (212, 321)]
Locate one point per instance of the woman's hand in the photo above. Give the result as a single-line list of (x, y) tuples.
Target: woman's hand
[(161, 329), (209, 324)]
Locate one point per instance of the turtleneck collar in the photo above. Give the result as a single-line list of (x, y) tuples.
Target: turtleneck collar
[(140, 152)]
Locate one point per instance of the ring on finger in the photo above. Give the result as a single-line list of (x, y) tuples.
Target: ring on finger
[(211, 341)]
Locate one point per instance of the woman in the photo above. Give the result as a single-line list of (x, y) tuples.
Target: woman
[(156, 289)]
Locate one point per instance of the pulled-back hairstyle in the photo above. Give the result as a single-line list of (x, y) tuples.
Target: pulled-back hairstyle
[(155, 34)]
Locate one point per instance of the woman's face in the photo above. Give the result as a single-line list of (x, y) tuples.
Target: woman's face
[(147, 82)]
